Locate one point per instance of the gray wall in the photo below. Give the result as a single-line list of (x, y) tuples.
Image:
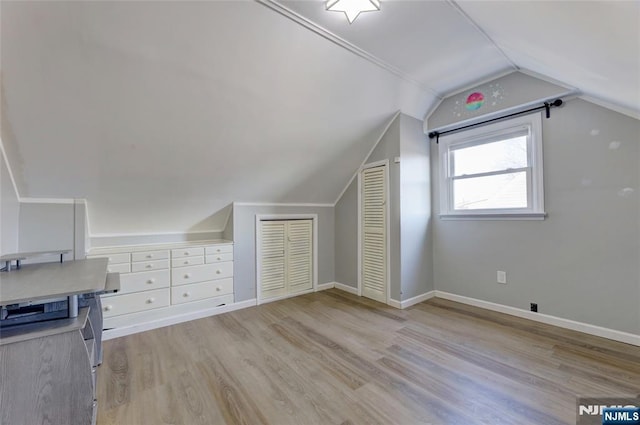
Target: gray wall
[(346, 239), (244, 251), (415, 207), (46, 227), (501, 94), (582, 261), (228, 230), (9, 212)]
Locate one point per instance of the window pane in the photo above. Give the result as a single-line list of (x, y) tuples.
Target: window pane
[(490, 192), (494, 156)]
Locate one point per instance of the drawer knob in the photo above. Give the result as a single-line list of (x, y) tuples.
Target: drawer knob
[(149, 266), (186, 253), (149, 255), (187, 276), (218, 272), (186, 262), (186, 294), (108, 307), (218, 258), (218, 250), (151, 280), (151, 300), (218, 288)]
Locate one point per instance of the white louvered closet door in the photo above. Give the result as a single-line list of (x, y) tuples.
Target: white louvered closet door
[(374, 234), (273, 259), (299, 255)]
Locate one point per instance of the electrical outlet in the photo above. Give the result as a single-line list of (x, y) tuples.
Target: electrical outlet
[(502, 277), (534, 307)]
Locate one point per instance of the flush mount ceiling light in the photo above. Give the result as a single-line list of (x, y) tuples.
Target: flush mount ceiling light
[(352, 8)]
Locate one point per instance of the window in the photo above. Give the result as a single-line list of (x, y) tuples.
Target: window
[(493, 171)]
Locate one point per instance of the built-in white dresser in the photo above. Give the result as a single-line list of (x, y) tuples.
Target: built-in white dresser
[(161, 281)]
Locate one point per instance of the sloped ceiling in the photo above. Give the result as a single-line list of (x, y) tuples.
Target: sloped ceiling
[(162, 113)]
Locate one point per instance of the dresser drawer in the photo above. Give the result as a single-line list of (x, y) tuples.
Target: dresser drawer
[(219, 249), (149, 255), (149, 265), (187, 252), (144, 281), (187, 261), (113, 258), (131, 303), (202, 290), (216, 258), (185, 275), (119, 268)]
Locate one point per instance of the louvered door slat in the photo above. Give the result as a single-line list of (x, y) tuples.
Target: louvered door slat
[(272, 267), (374, 255), (300, 256)]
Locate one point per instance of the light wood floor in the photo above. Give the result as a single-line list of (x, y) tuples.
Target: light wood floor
[(333, 358)]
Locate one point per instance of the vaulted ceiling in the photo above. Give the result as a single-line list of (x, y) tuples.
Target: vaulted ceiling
[(161, 113)]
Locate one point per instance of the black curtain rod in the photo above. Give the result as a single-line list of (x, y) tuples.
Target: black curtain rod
[(546, 106)]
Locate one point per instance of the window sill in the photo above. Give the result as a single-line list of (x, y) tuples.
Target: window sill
[(497, 216)]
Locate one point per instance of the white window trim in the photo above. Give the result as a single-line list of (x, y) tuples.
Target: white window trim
[(474, 136)]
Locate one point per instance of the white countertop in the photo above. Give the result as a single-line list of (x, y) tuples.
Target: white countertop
[(155, 247)]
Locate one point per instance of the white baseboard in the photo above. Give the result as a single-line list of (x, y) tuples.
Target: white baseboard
[(615, 335), (345, 288), (325, 286), (394, 303), (160, 323), (411, 301)]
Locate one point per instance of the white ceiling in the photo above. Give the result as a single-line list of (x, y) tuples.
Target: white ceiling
[(162, 113)]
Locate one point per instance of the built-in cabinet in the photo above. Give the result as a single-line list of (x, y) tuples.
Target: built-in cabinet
[(286, 257), (160, 281)]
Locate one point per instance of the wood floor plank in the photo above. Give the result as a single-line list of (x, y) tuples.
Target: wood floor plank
[(335, 358)]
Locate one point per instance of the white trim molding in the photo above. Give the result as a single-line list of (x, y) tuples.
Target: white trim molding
[(173, 320), (138, 234), (47, 200), (6, 163), (411, 301), (613, 334), (275, 204), (325, 286), (345, 288)]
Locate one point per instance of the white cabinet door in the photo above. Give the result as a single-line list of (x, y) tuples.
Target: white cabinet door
[(272, 259), (299, 255), (374, 233)]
